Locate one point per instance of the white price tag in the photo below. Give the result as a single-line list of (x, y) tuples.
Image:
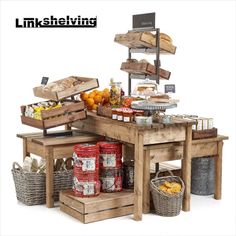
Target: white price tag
[(88, 164), (108, 184), (88, 189), (109, 160)]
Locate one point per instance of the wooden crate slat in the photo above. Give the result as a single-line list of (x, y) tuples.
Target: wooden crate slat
[(144, 68), (89, 83), (32, 122), (68, 118), (76, 106)]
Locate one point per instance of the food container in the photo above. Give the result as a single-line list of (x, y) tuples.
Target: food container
[(119, 114), (204, 123), (210, 123), (138, 112), (143, 120), (128, 174), (111, 179), (110, 154), (127, 115), (115, 93), (199, 124), (114, 113), (86, 188), (146, 88)]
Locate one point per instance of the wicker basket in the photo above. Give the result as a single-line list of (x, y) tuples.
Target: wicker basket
[(31, 187), (166, 204)]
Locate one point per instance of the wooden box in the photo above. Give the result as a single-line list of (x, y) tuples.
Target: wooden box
[(143, 40), (104, 111), (207, 133), (104, 206), (56, 117), (84, 84), (144, 68)]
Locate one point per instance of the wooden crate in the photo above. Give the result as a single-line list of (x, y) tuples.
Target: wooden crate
[(104, 206), (207, 133), (87, 84), (143, 40), (144, 68), (104, 111), (56, 117)]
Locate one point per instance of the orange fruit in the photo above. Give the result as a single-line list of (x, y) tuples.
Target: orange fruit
[(94, 107), (90, 102), (100, 93), (92, 95), (106, 90), (105, 94), (84, 96), (95, 91), (97, 99)]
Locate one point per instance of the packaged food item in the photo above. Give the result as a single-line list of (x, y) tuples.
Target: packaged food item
[(210, 123), (114, 113), (119, 114), (30, 164), (127, 115), (115, 93), (170, 187)]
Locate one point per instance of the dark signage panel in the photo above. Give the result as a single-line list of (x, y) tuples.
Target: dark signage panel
[(143, 21)]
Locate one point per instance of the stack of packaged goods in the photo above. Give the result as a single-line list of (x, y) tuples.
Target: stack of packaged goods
[(86, 170), (110, 165)]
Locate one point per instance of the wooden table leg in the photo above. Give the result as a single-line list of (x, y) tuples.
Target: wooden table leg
[(186, 168), (25, 151), (48, 154), (138, 176), (218, 171), (146, 182)]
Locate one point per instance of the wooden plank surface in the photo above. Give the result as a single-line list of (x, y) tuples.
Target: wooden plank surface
[(35, 148), (167, 134)]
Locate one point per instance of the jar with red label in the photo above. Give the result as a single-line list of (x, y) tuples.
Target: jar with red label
[(127, 115), (114, 113), (119, 114)]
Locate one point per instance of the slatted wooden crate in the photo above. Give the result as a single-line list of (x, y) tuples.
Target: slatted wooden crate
[(143, 40), (144, 68), (207, 133), (104, 206), (56, 117), (84, 84)]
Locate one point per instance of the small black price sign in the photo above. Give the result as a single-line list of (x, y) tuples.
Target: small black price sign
[(44, 80), (170, 88), (143, 21)]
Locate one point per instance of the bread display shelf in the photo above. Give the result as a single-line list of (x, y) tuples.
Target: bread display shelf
[(144, 68), (144, 41), (56, 117), (81, 84)]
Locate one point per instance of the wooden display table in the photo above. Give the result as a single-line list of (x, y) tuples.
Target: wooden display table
[(175, 151), (141, 135), (52, 148)]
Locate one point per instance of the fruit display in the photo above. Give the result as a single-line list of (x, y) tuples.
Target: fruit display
[(170, 187), (34, 110), (95, 98)]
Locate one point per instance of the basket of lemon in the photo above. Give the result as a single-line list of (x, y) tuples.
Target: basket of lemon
[(167, 194)]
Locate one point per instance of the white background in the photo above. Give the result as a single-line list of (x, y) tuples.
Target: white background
[(203, 70)]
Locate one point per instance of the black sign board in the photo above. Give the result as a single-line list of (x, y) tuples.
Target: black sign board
[(143, 21), (170, 88), (44, 80)]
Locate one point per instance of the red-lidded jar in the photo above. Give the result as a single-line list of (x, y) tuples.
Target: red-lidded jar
[(119, 114), (110, 154), (127, 115), (111, 179), (86, 188), (114, 113)]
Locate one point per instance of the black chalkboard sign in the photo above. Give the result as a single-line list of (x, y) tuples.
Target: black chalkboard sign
[(44, 80), (143, 21), (170, 88)]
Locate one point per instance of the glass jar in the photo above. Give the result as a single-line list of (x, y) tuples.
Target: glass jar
[(127, 115), (119, 114), (114, 113), (115, 93)]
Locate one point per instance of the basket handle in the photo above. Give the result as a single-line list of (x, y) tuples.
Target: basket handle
[(16, 164), (163, 170)]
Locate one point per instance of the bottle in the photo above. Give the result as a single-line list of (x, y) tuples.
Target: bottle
[(115, 93)]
